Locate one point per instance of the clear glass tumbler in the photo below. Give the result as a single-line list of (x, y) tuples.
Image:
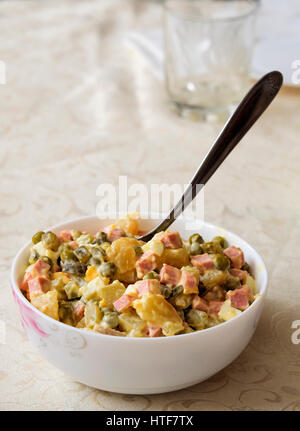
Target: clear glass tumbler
[(208, 52)]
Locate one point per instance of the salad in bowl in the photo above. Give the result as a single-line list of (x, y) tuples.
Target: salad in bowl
[(112, 283)]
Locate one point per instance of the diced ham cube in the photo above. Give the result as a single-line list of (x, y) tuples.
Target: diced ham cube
[(239, 274), (236, 256), (123, 303), (38, 285), (188, 282), (113, 233), (147, 286), (79, 311), (249, 292), (40, 268), (200, 304), (239, 298), (24, 283), (171, 240), (170, 275), (146, 263), (202, 262), (65, 235), (154, 331), (214, 307)]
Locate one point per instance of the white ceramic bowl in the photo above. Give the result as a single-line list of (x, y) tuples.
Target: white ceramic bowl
[(140, 365)]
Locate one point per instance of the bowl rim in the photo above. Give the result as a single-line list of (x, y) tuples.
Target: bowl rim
[(263, 289)]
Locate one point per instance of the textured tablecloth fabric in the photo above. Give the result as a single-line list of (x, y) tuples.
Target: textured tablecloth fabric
[(80, 108)]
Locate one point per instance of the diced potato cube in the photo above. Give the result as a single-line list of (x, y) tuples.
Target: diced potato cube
[(127, 277), (43, 251), (213, 277), (227, 312), (251, 283), (122, 254), (175, 257), (112, 292), (131, 323), (154, 309), (155, 245), (132, 290), (129, 223), (47, 303), (92, 289), (62, 276), (92, 314)]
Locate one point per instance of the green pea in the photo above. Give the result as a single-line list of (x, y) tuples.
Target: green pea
[(212, 247), (197, 319), (221, 262), (138, 250), (82, 254), (33, 257), (47, 260), (94, 261), (196, 238), (37, 237), (195, 249), (97, 242), (221, 240), (108, 269), (50, 240), (232, 283), (181, 301), (110, 320), (246, 267), (166, 291), (65, 311), (101, 237), (151, 275), (67, 253), (98, 252), (177, 290), (76, 268)]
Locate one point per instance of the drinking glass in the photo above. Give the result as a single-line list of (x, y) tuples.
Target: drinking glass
[(208, 50)]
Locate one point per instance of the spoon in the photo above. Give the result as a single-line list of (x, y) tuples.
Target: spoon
[(248, 111)]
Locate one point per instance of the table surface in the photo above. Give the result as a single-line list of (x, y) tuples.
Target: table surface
[(80, 108)]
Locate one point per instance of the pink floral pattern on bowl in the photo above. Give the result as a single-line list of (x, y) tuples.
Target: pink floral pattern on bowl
[(28, 316)]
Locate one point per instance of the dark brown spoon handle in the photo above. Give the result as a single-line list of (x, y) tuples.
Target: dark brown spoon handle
[(248, 111)]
